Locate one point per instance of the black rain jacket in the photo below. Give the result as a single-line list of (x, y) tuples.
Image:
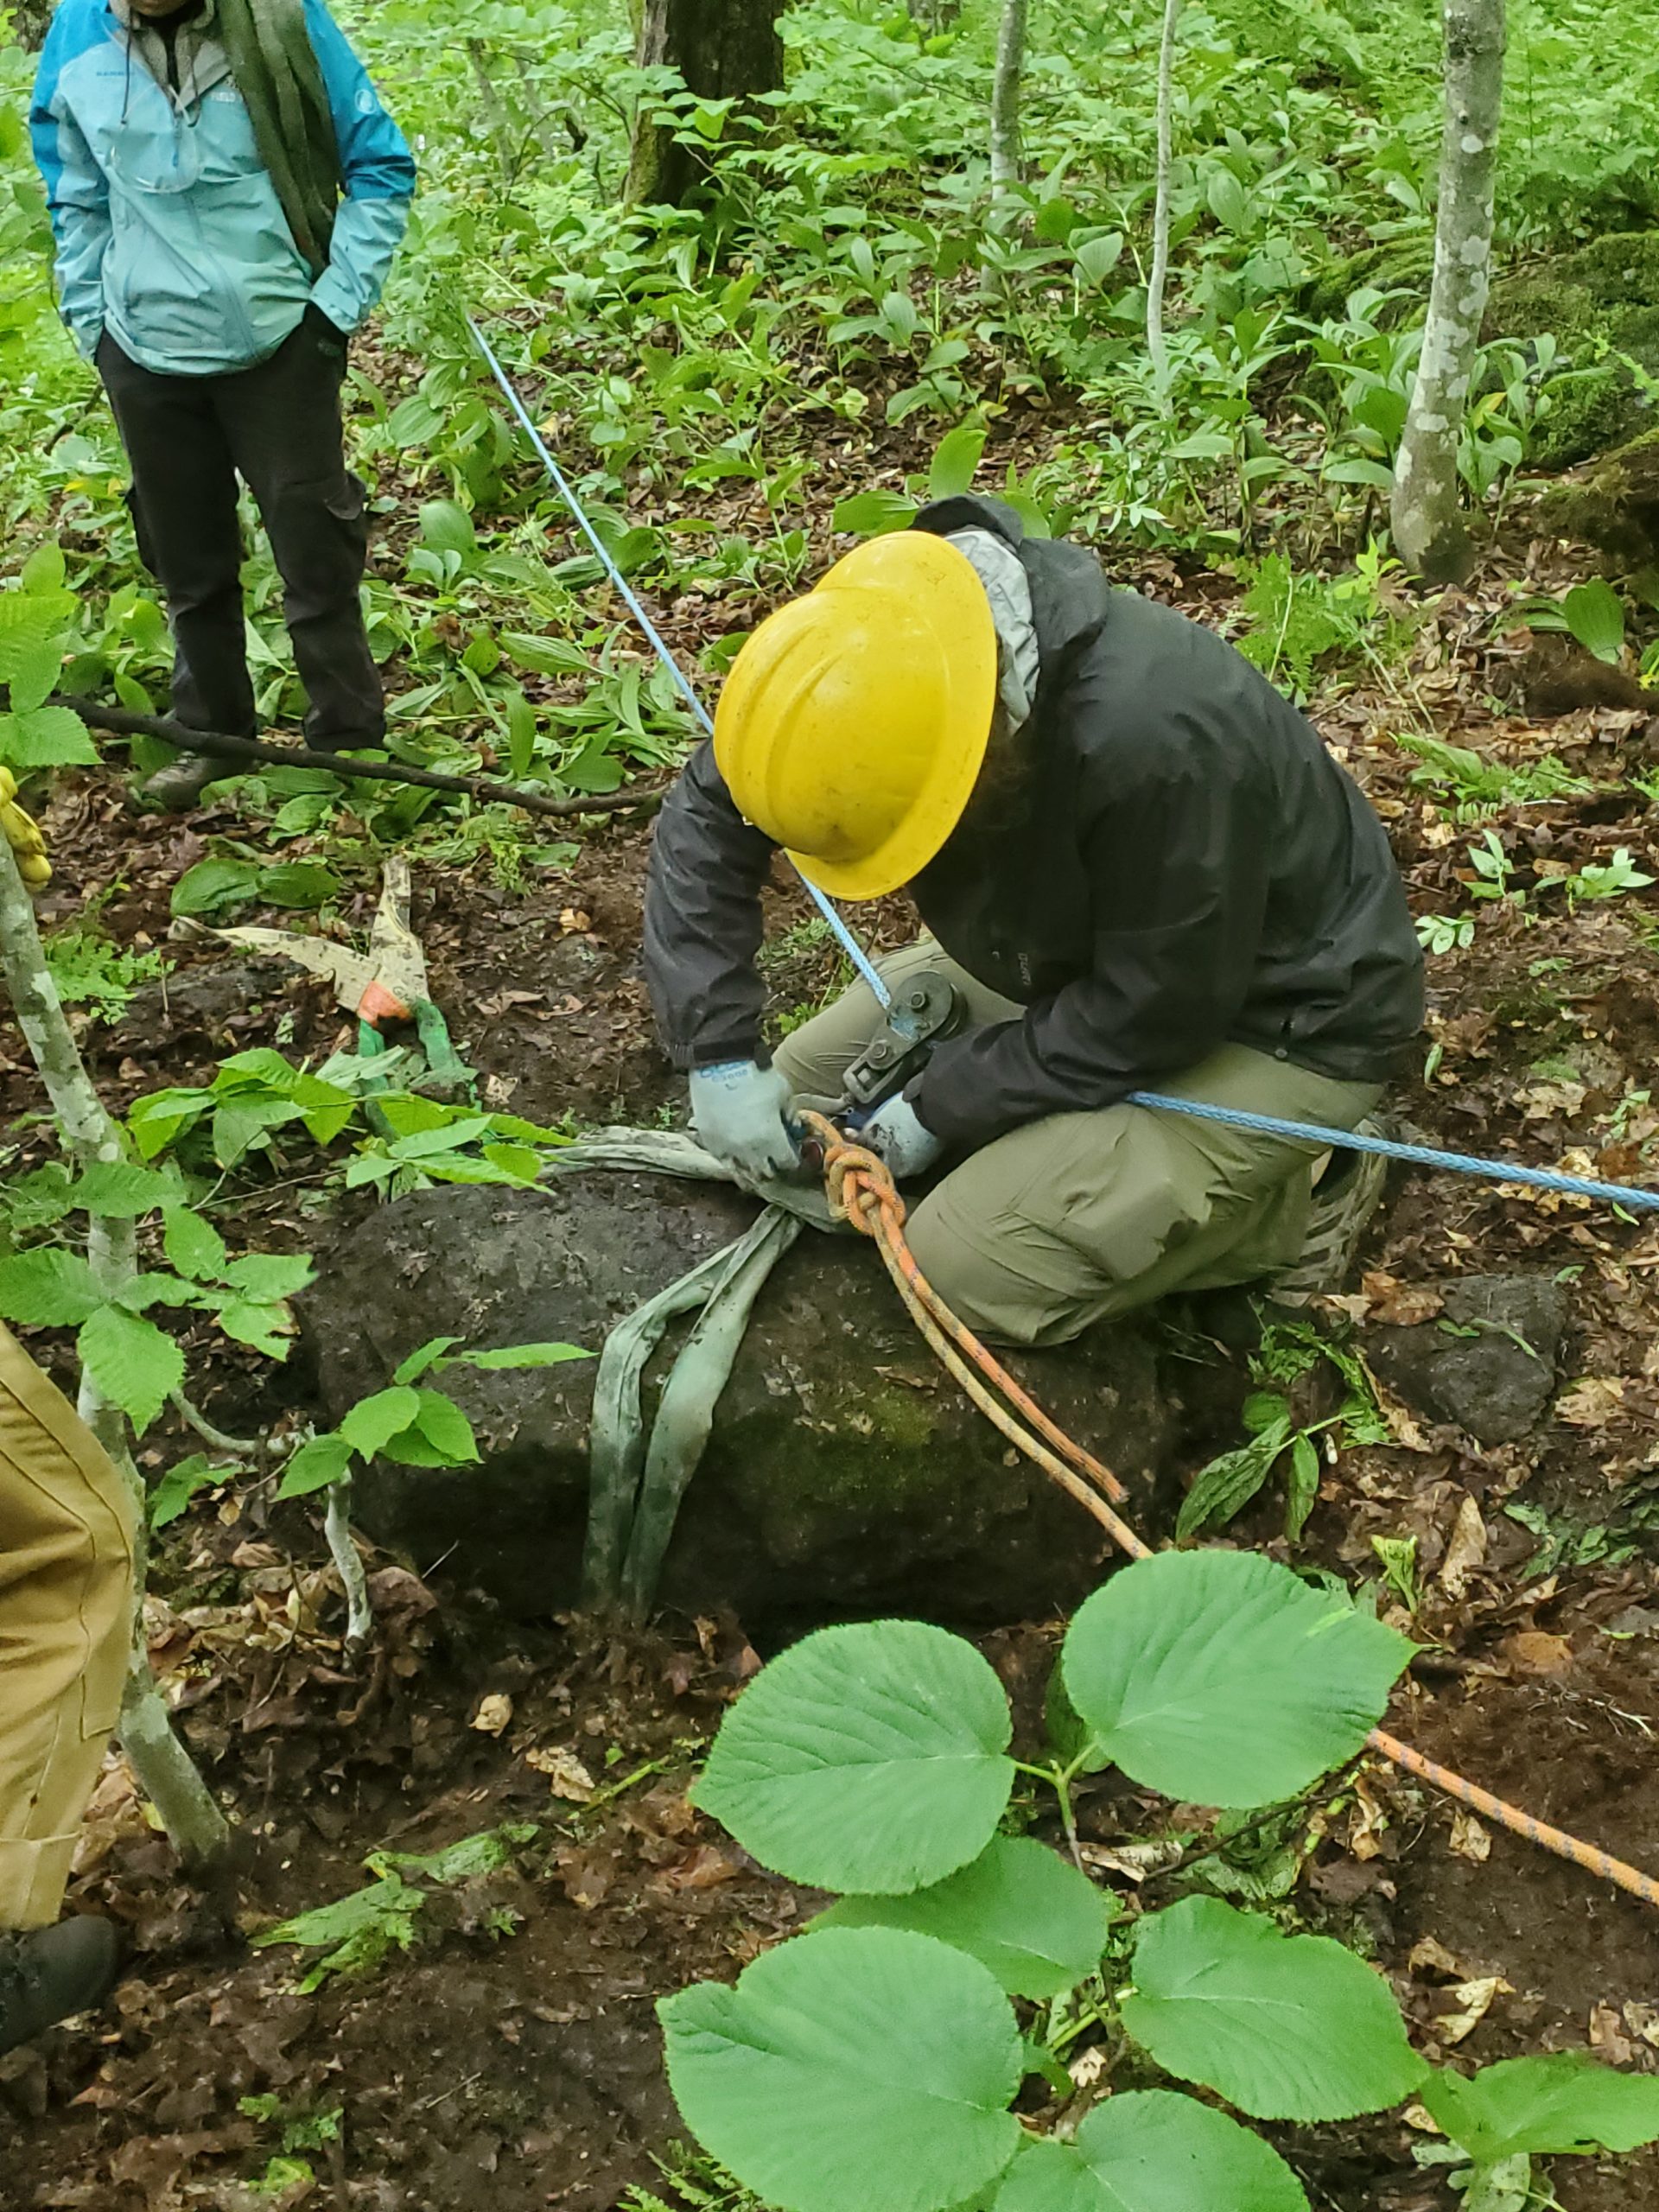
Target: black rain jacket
[(1177, 864)]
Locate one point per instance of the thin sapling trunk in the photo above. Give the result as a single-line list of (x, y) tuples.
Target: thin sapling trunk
[(1429, 532), (165, 1772), (1005, 100), (1158, 276)]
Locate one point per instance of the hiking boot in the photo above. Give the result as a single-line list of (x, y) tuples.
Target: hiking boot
[(50, 1973), (177, 787), (1345, 1198)]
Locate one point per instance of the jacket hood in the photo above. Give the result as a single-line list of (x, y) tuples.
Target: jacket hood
[(1070, 595)]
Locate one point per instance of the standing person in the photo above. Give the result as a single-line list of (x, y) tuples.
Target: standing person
[(65, 1633), (226, 193), (1141, 869)]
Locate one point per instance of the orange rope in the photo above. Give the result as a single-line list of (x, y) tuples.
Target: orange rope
[(862, 1189)]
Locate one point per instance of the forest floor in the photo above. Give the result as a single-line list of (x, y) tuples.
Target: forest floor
[(510, 2059)]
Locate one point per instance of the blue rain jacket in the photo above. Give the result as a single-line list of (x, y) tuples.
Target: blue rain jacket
[(168, 229)]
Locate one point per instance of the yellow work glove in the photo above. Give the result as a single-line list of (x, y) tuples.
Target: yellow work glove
[(22, 834)]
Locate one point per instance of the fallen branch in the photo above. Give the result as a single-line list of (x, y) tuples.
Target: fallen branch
[(120, 723)]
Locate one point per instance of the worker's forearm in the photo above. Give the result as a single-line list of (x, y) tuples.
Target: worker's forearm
[(702, 921)]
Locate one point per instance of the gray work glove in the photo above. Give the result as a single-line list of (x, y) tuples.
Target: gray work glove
[(739, 1113), (898, 1136)]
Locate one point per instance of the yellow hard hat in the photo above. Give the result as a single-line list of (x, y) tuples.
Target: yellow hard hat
[(854, 722)]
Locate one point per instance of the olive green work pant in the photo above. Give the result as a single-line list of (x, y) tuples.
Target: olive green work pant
[(1081, 1217), (66, 1621)]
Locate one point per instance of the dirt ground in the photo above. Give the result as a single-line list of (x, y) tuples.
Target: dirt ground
[(510, 2060)]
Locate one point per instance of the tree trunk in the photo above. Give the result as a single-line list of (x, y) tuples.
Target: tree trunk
[(1005, 98), (723, 49), (1428, 527), (1157, 352), (29, 22), (161, 1764)]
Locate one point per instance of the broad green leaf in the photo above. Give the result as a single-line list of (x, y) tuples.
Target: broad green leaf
[(136, 1366), (440, 1435), (521, 733), (524, 1356), (192, 1245), (1151, 2151), (1286, 2027), (871, 514), (47, 1290), (357, 1932), (1221, 1678), (48, 737), (868, 1758), (30, 668), (1097, 258), (245, 1120), (170, 1497), (157, 1120), (315, 1465), (372, 1422), (268, 1328), (213, 884), (119, 1191), (859, 2070), (1228, 201), (1222, 1490), (956, 463), (1303, 1491), (447, 527), (302, 885), (422, 1357), (1567, 2101), (1595, 616), (43, 572), (1038, 1923), (266, 1276)]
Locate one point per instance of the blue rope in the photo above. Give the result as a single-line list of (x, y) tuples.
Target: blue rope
[(1458, 1163), (850, 943)]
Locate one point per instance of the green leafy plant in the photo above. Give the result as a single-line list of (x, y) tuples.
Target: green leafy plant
[(1592, 612), (1289, 1350), (1508, 2114), (135, 1364), (90, 970), (36, 624), (359, 1932), (872, 2061), (408, 1423), (1442, 933), (1475, 787)]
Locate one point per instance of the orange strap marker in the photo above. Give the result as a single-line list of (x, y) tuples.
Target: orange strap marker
[(862, 1189)]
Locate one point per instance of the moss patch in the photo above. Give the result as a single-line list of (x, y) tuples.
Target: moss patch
[(1606, 294)]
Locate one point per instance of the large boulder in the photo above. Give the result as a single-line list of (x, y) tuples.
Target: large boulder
[(1597, 302), (846, 1473)]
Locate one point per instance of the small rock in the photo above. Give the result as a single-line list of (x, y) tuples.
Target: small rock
[(1489, 1364)]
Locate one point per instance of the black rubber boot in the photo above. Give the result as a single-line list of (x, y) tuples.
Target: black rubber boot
[(176, 788), (50, 1973)]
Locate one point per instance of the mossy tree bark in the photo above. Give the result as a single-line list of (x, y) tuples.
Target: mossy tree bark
[(1005, 98), (723, 49), (1429, 532)]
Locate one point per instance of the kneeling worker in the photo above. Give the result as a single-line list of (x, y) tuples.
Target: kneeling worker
[(1136, 861), (66, 1632)]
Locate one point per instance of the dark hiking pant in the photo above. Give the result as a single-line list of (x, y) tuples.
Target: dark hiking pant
[(277, 426)]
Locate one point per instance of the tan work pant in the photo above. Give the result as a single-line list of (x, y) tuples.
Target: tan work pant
[(1080, 1218), (66, 1593)]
